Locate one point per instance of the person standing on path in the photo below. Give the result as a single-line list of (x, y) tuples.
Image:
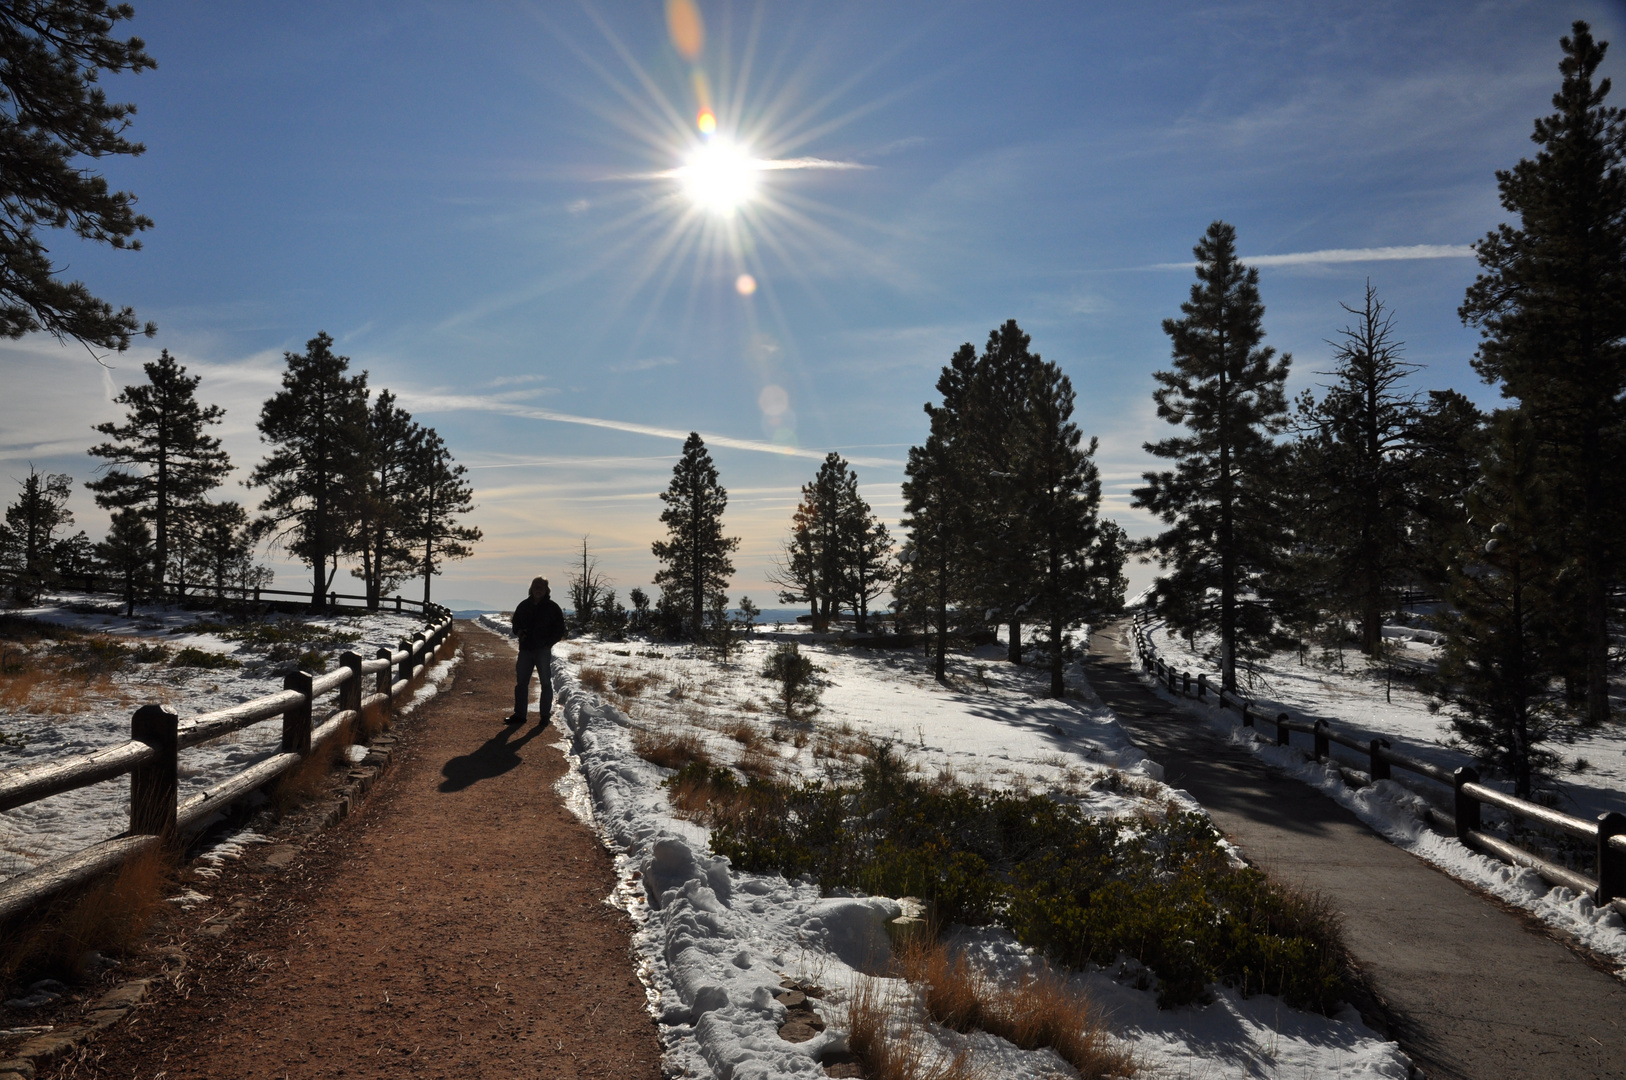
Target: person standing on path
[(538, 624)]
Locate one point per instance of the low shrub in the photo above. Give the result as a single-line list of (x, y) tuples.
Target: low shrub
[(670, 750), (191, 657), (1159, 889), (797, 678), (594, 679)]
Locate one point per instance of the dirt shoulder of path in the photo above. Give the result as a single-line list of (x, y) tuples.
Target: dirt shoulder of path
[(455, 926)]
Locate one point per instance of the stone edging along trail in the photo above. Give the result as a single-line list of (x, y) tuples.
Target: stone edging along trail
[(1472, 994)]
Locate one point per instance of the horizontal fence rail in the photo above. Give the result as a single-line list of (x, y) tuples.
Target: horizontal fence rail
[(157, 736), (256, 594), (1469, 796)]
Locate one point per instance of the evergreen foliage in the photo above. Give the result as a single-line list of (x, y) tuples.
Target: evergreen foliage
[(52, 116), (440, 494), (317, 426), (1220, 499), (224, 549), (1445, 437), (127, 554), (1503, 649), (1550, 303), (161, 461), (797, 677), (839, 554), (379, 495), (28, 539), (695, 557)]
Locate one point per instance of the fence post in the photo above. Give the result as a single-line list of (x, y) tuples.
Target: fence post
[(256, 594), (421, 659), (1380, 764), (332, 599), (1282, 734), (404, 672), (1202, 690), (1185, 683), (1173, 681), (296, 722), (350, 690), (153, 786), (1467, 807), (1323, 746), (1611, 861), (1247, 714), (385, 679), (397, 601)]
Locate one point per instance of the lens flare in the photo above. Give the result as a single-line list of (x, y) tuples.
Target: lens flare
[(684, 25), (706, 122), (719, 176), (745, 284)]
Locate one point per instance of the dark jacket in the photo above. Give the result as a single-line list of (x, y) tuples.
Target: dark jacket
[(538, 625)]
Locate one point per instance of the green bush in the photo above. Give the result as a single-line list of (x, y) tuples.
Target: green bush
[(190, 657), (1159, 889), (795, 674)]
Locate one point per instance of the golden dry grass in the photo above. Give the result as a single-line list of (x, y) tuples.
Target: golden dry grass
[(1037, 1010), (594, 679), (745, 733), (110, 917), (669, 749), (760, 763), (630, 684), (883, 1033)]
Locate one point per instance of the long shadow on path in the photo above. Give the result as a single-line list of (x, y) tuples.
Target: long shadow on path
[(1474, 994), (497, 755)]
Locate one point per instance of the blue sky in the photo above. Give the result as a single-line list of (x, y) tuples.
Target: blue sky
[(476, 200)]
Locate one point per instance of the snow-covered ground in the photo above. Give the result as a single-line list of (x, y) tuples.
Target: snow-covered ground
[(715, 944), (1354, 699), (81, 713)]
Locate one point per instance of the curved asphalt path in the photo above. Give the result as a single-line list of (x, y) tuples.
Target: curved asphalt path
[(1472, 994)]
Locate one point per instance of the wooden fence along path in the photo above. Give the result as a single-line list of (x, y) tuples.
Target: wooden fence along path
[(157, 735), (1469, 796)]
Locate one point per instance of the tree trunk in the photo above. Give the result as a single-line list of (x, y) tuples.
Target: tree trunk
[(1057, 687), (1014, 653), (940, 668)]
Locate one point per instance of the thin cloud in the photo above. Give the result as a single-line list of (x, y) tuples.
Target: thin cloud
[(458, 402), (1344, 255)]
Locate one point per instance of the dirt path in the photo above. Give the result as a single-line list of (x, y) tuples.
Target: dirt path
[(1475, 992), (453, 928)]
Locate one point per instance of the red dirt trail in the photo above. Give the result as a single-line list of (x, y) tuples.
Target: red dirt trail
[(453, 927)]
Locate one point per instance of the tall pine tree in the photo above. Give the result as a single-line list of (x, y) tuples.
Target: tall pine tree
[(696, 553), (317, 427), (440, 495), (127, 553), (28, 541), (1550, 302), (163, 460), (1227, 391), (382, 487)]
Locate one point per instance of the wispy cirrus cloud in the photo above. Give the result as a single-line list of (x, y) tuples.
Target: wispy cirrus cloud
[(1343, 255)]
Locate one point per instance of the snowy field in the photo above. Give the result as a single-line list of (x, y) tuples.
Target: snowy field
[(1355, 701), (716, 944), (86, 704)]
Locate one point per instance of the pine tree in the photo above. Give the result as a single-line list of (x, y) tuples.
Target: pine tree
[(1077, 570), (53, 115), (317, 426), (1503, 648), (1361, 463), (696, 554), (382, 490), (936, 514), (225, 548), (127, 554), (838, 554), (1001, 551), (867, 563), (29, 542), (1550, 303), (164, 462), (1445, 437), (440, 495), (1227, 391)]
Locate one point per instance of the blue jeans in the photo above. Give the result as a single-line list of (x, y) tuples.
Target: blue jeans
[(541, 662)]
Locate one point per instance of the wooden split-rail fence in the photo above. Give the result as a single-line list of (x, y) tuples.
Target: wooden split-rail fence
[(1607, 834), (151, 758)]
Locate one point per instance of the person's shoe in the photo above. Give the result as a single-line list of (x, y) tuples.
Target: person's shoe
[(513, 719)]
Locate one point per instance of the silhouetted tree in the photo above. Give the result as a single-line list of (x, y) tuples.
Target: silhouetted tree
[(1228, 392), (696, 554), (163, 461), (440, 495), (127, 554), (28, 542), (1550, 303), (317, 426), (53, 115), (382, 489)]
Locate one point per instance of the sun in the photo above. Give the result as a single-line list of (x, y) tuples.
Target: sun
[(720, 176)]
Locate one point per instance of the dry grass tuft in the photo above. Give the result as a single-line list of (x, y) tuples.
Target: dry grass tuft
[(309, 778), (110, 917), (1039, 1010), (594, 679), (670, 750), (375, 720), (745, 733), (883, 1033), (631, 684), (710, 795), (760, 763)]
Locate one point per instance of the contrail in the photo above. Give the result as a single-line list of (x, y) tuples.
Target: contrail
[(1344, 255)]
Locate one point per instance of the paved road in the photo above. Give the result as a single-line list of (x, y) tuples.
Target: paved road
[(1474, 994)]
